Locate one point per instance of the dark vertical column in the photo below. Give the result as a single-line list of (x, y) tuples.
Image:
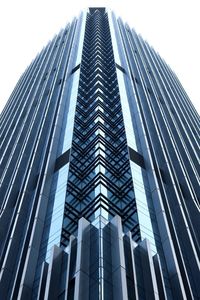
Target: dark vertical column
[(82, 279), (43, 279), (159, 277), (53, 274), (118, 260), (150, 283), (131, 275)]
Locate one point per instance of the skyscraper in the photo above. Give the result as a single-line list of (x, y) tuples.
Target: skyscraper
[(99, 170)]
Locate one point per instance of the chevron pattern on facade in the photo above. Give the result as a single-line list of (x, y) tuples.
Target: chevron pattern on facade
[(100, 181)]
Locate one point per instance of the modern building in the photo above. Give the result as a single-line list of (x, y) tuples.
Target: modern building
[(99, 170)]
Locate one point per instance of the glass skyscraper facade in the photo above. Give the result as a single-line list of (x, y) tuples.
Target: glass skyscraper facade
[(99, 172)]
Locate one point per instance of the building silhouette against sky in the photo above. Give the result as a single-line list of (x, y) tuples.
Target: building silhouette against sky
[(99, 170)]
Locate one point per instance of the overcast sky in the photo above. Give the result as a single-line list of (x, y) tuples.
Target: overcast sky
[(172, 27)]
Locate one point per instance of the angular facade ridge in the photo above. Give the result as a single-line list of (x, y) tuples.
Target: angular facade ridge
[(119, 258)]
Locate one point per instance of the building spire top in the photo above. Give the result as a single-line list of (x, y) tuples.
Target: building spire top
[(93, 9)]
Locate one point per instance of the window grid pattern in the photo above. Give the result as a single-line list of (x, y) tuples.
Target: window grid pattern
[(99, 180)]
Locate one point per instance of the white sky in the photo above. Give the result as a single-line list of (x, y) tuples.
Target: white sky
[(172, 27)]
